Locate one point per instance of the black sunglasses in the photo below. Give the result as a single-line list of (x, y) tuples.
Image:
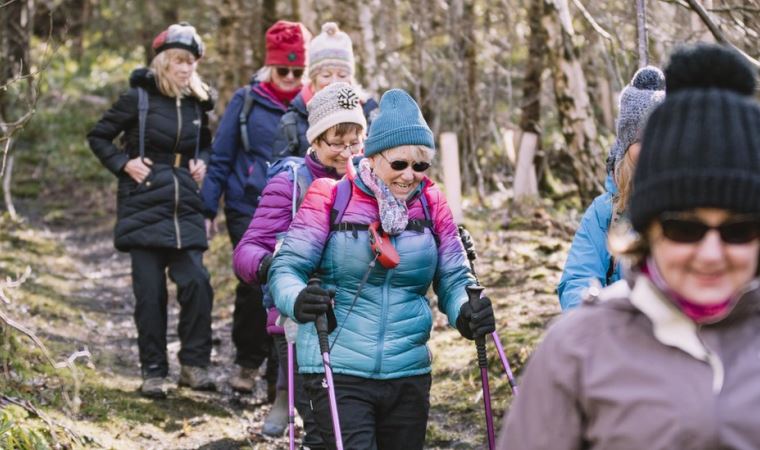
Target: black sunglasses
[(399, 165), (284, 71), (739, 230)]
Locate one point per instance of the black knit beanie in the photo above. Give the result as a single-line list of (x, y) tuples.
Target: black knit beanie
[(701, 146)]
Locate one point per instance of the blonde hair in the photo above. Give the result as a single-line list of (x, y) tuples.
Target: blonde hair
[(623, 175), (160, 68), (264, 75)]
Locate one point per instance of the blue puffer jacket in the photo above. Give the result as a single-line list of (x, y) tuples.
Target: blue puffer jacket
[(230, 165), (296, 121), (589, 257), (385, 335)]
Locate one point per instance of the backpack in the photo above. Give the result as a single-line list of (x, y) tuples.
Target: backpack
[(243, 118), (142, 116), (289, 125), (298, 172), (343, 196)]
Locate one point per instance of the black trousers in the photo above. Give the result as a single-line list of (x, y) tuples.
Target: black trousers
[(249, 320), (195, 298), (373, 414), (312, 438)]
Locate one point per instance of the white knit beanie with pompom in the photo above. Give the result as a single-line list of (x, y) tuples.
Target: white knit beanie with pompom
[(332, 48)]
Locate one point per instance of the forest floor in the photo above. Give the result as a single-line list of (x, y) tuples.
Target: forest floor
[(79, 296)]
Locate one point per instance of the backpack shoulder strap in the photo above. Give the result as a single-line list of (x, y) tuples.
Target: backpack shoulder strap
[(290, 130), (243, 118), (142, 115), (199, 115), (342, 197), (302, 178), (428, 222)]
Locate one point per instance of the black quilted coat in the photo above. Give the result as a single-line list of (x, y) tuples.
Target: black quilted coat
[(165, 210)]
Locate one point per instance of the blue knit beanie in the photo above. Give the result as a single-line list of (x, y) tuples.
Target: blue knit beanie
[(647, 90), (399, 122)]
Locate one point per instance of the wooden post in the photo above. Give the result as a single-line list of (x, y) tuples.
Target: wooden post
[(451, 174), (526, 184), (509, 146)]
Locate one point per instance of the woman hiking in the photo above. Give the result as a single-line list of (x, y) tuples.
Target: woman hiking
[(336, 132), (589, 260), (167, 142), (242, 151), (667, 358), (378, 350)]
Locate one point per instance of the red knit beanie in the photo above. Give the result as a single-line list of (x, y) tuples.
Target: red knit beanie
[(286, 44)]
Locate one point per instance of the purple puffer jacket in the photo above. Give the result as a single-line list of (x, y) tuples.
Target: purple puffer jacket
[(272, 217)]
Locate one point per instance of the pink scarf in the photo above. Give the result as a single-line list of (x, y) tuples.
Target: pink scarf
[(394, 214), (697, 312)]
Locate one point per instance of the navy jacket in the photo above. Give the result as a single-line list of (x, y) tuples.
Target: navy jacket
[(297, 120), (230, 164)]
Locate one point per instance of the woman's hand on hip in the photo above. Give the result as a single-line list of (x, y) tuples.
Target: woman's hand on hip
[(197, 169), (138, 168)]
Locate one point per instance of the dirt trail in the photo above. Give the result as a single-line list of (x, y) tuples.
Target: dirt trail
[(520, 267), (187, 419)]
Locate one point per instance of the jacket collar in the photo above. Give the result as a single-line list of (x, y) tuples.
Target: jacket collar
[(673, 328), (317, 169), (146, 79), (265, 98)]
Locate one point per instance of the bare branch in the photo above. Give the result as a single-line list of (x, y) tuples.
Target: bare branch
[(681, 3), (74, 401), (738, 8), (715, 31), (29, 407), (594, 24), (11, 284)]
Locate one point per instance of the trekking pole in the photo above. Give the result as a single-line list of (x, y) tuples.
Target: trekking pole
[(471, 256), (473, 294), (324, 348), (291, 399)]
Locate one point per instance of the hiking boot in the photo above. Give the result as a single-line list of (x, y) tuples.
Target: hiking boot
[(154, 387), (243, 380), (277, 420), (197, 378)]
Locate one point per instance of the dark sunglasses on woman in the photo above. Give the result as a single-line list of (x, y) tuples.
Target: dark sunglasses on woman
[(735, 230), (399, 165), (284, 71)]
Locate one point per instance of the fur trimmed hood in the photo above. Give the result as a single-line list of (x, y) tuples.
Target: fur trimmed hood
[(145, 78)]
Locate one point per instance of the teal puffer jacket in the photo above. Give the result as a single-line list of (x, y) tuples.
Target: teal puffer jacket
[(385, 335)]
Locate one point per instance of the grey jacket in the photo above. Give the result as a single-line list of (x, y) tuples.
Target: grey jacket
[(631, 372)]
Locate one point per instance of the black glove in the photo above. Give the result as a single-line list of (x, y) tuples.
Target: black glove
[(474, 324), (263, 272), (311, 302)]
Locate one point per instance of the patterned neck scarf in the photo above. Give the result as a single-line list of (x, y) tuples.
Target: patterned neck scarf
[(394, 214)]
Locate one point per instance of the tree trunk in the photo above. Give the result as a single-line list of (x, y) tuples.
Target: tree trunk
[(525, 176), (641, 32), (227, 53), (573, 105), (369, 66)]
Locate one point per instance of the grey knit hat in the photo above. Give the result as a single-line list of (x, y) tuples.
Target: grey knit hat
[(647, 90), (701, 147), (336, 103)]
